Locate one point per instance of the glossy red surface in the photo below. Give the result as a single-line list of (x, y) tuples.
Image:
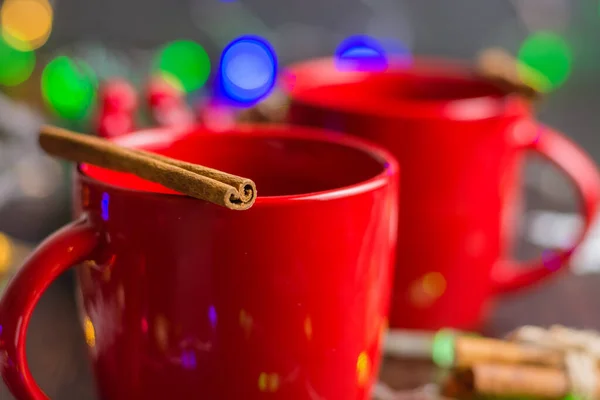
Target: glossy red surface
[(460, 143), (183, 299)]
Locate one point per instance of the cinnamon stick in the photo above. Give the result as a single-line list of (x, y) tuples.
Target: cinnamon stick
[(194, 180), (510, 381), (471, 350), (499, 67)]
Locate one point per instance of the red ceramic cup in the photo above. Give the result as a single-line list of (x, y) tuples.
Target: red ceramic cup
[(460, 143), (183, 299)]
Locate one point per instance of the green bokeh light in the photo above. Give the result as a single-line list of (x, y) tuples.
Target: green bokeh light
[(16, 66), (442, 351), (185, 60), (69, 88), (549, 55)]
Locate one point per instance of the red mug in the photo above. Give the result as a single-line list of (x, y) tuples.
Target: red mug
[(183, 299), (460, 142)]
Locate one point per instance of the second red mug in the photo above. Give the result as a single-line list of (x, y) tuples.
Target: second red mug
[(460, 142)]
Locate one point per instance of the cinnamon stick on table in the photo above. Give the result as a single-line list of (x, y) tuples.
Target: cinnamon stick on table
[(194, 180), (471, 350), (511, 381)]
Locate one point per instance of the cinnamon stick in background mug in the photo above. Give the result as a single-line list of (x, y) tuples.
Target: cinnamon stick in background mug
[(181, 299), (512, 76), (461, 141)]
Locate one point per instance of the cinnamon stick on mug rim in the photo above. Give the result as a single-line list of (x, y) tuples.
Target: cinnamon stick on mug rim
[(218, 187)]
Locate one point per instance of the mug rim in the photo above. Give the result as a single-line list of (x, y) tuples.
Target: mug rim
[(319, 73), (165, 135)]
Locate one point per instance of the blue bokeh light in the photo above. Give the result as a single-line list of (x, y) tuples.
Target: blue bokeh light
[(188, 359), (361, 53), (212, 316), (247, 71), (104, 206)]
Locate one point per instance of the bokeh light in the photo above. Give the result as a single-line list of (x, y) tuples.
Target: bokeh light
[(69, 87), (16, 65), (549, 55), (361, 53), (442, 351), (185, 61), (248, 70), (434, 284), (6, 252), (29, 21), (188, 359), (426, 290), (308, 328), (89, 332), (104, 204), (363, 369), (268, 382)]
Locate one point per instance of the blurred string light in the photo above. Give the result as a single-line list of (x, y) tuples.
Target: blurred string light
[(361, 53), (549, 56), (26, 24), (69, 87), (186, 61), (16, 65), (247, 70)]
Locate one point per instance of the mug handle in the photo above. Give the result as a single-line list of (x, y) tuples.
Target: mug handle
[(511, 275), (65, 248)]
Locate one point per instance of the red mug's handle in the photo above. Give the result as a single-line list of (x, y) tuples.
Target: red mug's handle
[(579, 167), (69, 246)]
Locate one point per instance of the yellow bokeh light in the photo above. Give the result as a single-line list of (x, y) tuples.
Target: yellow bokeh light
[(426, 290), (268, 382), (90, 332), (6, 254), (29, 21), (308, 330), (262, 381), (434, 284), (273, 383), (363, 369)]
